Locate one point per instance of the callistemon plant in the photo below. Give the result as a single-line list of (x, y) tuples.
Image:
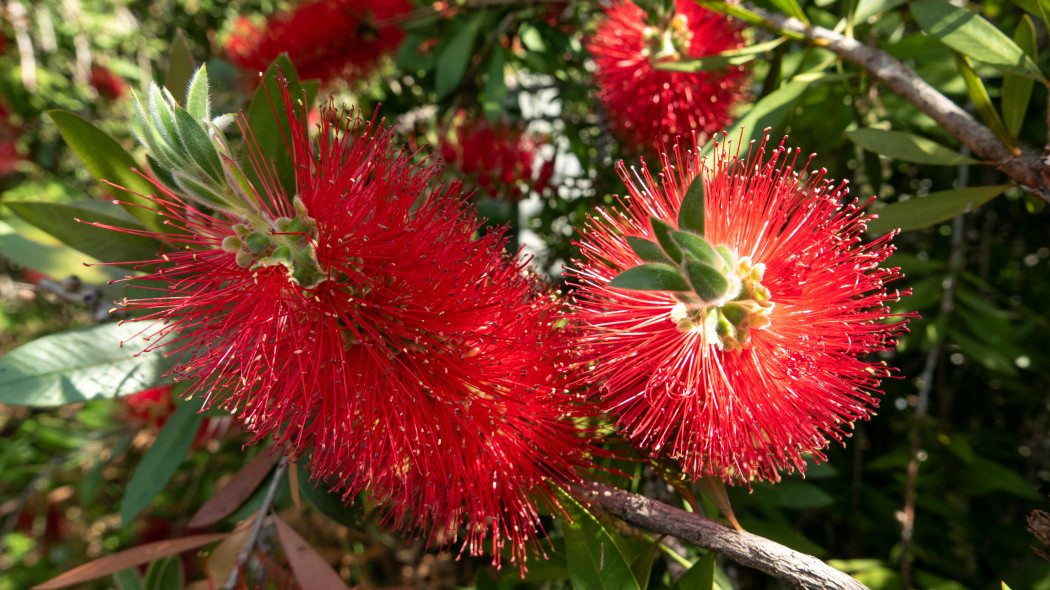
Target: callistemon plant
[(649, 106), (497, 159), (728, 311), (359, 322)]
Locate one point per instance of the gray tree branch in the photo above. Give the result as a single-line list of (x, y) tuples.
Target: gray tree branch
[(1028, 169), (801, 570)]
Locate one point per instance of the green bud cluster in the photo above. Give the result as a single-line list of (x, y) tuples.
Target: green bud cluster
[(717, 292)]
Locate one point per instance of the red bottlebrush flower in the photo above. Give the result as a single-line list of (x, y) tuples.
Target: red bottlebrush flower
[(745, 384), (108, 85), (499, 160), (150, 407), (363, 324), (648, 107), (325, 39), (9, 132)]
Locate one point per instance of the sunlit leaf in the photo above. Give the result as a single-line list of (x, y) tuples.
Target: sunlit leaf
[(907, 147), (1017, 89), (593, 556), (919, 212), (650, 277)]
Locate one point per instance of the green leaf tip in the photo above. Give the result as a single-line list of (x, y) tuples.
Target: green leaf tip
[(650, 277)]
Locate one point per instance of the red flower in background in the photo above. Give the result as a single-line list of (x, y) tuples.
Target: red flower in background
[(746, 384), (648, 107), (325, 39), (499, 160), (364, 325), (108, 85), (9, 132)]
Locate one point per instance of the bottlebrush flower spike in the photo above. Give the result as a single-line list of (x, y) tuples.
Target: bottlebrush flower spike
[(649, 107), (499, 160), (741, 382), (361, 323), (325, 39)]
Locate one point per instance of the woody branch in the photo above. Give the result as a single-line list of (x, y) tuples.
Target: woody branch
[(1028, 169), (801, 570)]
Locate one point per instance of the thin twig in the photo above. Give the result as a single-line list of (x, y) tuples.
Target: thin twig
[(260, 517), (801, 570), (922, 402), (1028, 169)]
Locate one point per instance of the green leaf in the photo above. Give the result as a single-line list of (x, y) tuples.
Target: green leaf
[(934, 208), (162, 460), (180, 62), (127, 580), (769, 112), (269, 123), (592, 554), (198, 146), (691, 213), (1017, 90), (329, 503), (165, 574), (791, 8), (701, 576), (907, 147), (697, 248), (869, 8), (455, 57), (54, 260), (973, 36), (662, 231), (707, 281), (106, 160), (650, 277), (198, 99), (642, 566), (495, 84), (161, 118), (647, 251), (408, 57), (106, 245), (721, 61), (983, 103), (80, 365)]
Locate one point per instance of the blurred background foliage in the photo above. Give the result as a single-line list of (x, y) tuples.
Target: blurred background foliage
[(969, 413)]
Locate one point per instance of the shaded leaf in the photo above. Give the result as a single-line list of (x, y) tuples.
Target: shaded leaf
[(983, 103), (161, 461), (106, 160), (1017, 89), (269, 123), (80, 365), (55, 260), (116, 562), (495, 84), (180, 63), (236, 491), (691, 213), (650, 277), (662, 231), (311, 570), (165, 574), (972, 35), (905, 146), (72, 224), (329, 503), (128, 579), (647, 251), (594, 558), (934, 208), (455, 57), (769, 112), (699, 577)]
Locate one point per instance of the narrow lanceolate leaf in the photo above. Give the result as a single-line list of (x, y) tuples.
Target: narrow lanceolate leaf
[(721, 61), (662, 231), (236, 491), (973, 36), (162, 119), (197, 144), (70, 223), (198, 101), (933, 208), (593, 556), (650, 277), (123, 560), (1017, 89), (691, 213), (269, 124), (982, 102), (791, 8), (697, 248), (706, 281), (80, 365), (647, 251), (310, 569), (770, 112), (907, 147), (165, 574), (106, 160), (699, 577), (495, 85), (455, 57), (162, 460), (180, 62)]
